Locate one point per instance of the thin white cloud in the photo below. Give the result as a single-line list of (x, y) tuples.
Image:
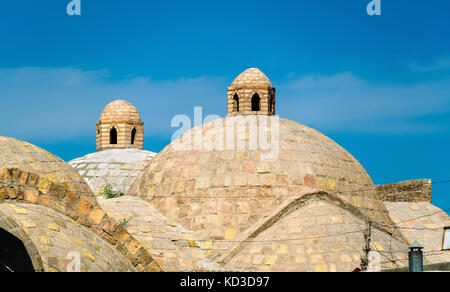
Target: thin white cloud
[(61, 103), (343, 102), (55, 104), (441, 63)]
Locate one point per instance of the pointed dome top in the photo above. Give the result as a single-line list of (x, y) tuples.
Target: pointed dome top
[(251, 77), (416, 245), (120, 110)]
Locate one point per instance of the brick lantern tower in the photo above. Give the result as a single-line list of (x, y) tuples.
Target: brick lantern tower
[(251, 93), (120, 127)]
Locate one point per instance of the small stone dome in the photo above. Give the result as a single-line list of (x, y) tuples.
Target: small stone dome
[(46, 205), (16, 154), (118, 167), (252, 77), (120, 110)]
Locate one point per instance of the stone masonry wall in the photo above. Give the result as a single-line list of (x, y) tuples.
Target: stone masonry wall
[(124, 129), (407, 191), (60, 240), (23, 187), (318, 237), (245, 94)]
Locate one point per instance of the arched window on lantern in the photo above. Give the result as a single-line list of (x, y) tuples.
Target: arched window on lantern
[(256, 103), (133, 136), (113, 136), (236, 103), (271, 105)]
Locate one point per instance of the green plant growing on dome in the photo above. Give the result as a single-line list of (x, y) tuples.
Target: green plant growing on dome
[(109, 192), (125, 222)]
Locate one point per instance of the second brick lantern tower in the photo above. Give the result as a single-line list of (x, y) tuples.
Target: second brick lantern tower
[(120, 126), (251, 93)]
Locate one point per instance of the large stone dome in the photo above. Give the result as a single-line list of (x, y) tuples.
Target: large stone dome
[(219, 193)]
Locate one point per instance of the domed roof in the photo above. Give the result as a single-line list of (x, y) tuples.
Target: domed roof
[(41, 226), (32, 176), (118, 167), (220, 193), (251, 77), (120, 110), (30, 158)]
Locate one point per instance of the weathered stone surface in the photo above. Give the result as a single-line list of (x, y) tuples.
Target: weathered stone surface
[(32, 175), (427, 228), (307, 241), (124, 118), (33, 166), (171, 245), (56, 243), (118, 167), (213, 209), (406, 191), (97, 215), (248, 184), (251, 87)]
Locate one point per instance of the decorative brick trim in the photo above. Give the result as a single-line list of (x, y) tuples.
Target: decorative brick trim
[(290, 206), (136, 123), (232, 88), (9, 225), (406, 191), (19, 185)]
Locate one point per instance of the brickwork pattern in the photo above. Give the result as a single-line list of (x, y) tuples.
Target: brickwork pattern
[(406, 191), (9, 224), (30, 174), (118, 167), (171, 245), (52, 170), (318, 237), (124, 117), (425, 229), (219, 194), (252, 76), (244, 87), (56, 237)]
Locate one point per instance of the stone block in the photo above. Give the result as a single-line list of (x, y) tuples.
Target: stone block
[(84, 207), (31, 196), (97, 216)]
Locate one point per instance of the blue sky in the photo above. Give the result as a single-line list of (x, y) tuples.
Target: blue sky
[(379, 86)]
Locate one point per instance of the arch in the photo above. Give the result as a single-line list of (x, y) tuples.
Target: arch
[(271, 104), (256, 103), (133, 136), (20, 185), (13, 254), (291, 205), (17, 251), (236, 103), (113, 136)]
